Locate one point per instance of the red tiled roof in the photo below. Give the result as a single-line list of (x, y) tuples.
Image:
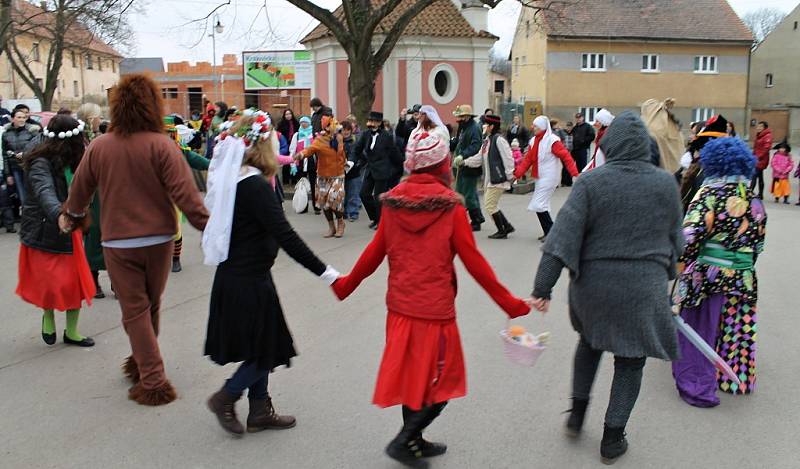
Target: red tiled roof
[(32, 20), (440, 19), (703, 20)]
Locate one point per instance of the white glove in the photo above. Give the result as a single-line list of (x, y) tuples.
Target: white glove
[(330, 275), (348, 166)]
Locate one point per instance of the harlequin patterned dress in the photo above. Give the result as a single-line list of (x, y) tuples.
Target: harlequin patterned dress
[(718, 290)]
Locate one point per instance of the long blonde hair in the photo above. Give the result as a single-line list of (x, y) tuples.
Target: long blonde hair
[(262, 154)]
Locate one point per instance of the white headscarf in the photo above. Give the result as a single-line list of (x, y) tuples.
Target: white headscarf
[(441, 128), (604, 117), (224, 173), (548, 139)]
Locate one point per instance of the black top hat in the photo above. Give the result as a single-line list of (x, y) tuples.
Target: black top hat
[(375, 116), (492, 119)]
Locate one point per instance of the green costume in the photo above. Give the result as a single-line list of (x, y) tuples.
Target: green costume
[(469, 144)]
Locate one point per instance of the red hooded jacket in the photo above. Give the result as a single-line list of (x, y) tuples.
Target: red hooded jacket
[(423, 226), (761, 148)]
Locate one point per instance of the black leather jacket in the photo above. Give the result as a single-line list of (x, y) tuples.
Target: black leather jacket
[(15, 140), (46, 192)]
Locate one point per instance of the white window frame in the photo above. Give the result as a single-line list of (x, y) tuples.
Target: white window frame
[(769, 80), (589, 113), (592, 60), (706, 64), (452, 81), (702, 114), (649, 67)]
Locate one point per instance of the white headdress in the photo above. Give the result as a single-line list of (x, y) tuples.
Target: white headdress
[(548, 139), (441, 128), (68, 134)]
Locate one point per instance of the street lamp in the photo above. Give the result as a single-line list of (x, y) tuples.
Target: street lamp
[(217, 29)]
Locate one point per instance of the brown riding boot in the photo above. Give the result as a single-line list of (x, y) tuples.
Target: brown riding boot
[(340, 228), (223, 405), (262, 416), (331, 230)]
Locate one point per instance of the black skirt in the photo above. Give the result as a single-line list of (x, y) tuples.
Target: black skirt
[(246, 322)]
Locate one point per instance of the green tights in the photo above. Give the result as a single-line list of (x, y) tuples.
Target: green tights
[(49, 323)]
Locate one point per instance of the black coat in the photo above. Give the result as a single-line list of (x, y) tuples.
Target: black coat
[(522, 135), (316, 118), (16, 140), (246, 321), (349, 152), (384, 161), (46, 193), (582, 137)]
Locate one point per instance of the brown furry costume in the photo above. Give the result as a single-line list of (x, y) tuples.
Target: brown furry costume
[(138, 173)]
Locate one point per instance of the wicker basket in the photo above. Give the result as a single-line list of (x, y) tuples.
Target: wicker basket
[(518, 353)]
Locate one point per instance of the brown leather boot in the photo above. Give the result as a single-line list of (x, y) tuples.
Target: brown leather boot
[(339, 228), (331, 230), (224, 406), (262, 416)]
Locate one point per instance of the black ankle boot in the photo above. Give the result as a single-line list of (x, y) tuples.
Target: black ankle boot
[(405, 448), (509, 229), (576, 416), (501, 230), (613, 445)]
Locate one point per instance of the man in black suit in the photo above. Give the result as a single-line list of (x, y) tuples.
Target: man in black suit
[(377, 152)]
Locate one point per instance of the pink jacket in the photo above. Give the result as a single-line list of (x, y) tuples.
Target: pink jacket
[(781, 165), (517, 154)]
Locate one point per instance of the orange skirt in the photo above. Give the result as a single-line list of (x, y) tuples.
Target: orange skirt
[(781, 188), (55, 281), (422, 363)]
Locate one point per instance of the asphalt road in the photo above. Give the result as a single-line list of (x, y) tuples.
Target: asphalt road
[(67, 407)]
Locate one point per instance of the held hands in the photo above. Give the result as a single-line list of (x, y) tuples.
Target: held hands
[(539, 304), (65, 224)]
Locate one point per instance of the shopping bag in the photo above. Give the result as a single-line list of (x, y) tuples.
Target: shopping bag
[(300, 199)]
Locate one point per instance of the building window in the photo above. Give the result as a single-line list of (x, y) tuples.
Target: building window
[(74, 60), (89, 64), (516, 66), (705, 64), (795, 25), (169, 93), (528, 28), (589, 113), (113, 66), (75, 89), (593, 62), (443, 83), (702, 114), (99, 64), (769, 80), (35, 52), (499, 86), (650, 63), (40, 84)]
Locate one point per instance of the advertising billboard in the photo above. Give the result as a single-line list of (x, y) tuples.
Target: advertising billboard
[(265, 70)]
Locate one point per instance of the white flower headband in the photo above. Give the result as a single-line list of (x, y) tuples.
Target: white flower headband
[(68, 134)]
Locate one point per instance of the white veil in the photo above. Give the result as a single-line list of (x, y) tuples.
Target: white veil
[(430, 111), (548, 139), (223, 173)]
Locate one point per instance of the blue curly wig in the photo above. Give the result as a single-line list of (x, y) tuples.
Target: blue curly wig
[(728, 156)]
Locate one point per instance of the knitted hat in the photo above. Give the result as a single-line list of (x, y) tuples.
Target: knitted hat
[(604, 117), (427, 149)]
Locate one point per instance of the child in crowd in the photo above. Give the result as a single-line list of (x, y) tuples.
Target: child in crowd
[(516, 152), (782, 165)]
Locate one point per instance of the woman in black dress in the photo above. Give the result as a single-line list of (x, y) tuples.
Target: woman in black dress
[(246, 323)]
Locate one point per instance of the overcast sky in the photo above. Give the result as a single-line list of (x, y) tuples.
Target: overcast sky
[(162, 29)]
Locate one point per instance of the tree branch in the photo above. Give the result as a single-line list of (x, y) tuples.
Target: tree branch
[(397, 30), (326, 18)]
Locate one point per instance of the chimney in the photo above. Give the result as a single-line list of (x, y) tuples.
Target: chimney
[(476, 14)]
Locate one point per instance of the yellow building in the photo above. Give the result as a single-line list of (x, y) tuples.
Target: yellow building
[(89, 68), (616, 54)]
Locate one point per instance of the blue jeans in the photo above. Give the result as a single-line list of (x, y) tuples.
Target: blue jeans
[(19, 184), (248, 376), (352, 197)]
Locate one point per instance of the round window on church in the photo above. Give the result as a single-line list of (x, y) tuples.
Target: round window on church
[(443, 83)]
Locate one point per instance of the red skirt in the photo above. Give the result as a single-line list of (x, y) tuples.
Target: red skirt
[(422, 363), (55, 281)]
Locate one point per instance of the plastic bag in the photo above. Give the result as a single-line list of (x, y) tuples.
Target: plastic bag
[(300, 199)]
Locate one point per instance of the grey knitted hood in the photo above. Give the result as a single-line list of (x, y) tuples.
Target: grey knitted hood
[(626, 139)]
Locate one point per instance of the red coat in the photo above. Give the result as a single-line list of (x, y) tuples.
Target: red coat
[(761, 148), (423, 226), (532, 159)]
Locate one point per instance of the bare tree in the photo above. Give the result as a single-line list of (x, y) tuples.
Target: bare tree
[(762, 21), (359, 27), (61, 25)]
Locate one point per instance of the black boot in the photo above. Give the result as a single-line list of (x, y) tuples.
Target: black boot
[(176, 265), (405, 447), (430, 449), (223, 405), (476, 218), (99, 294), (576, 416), (501, 229), (613, 445), (509, 229)]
